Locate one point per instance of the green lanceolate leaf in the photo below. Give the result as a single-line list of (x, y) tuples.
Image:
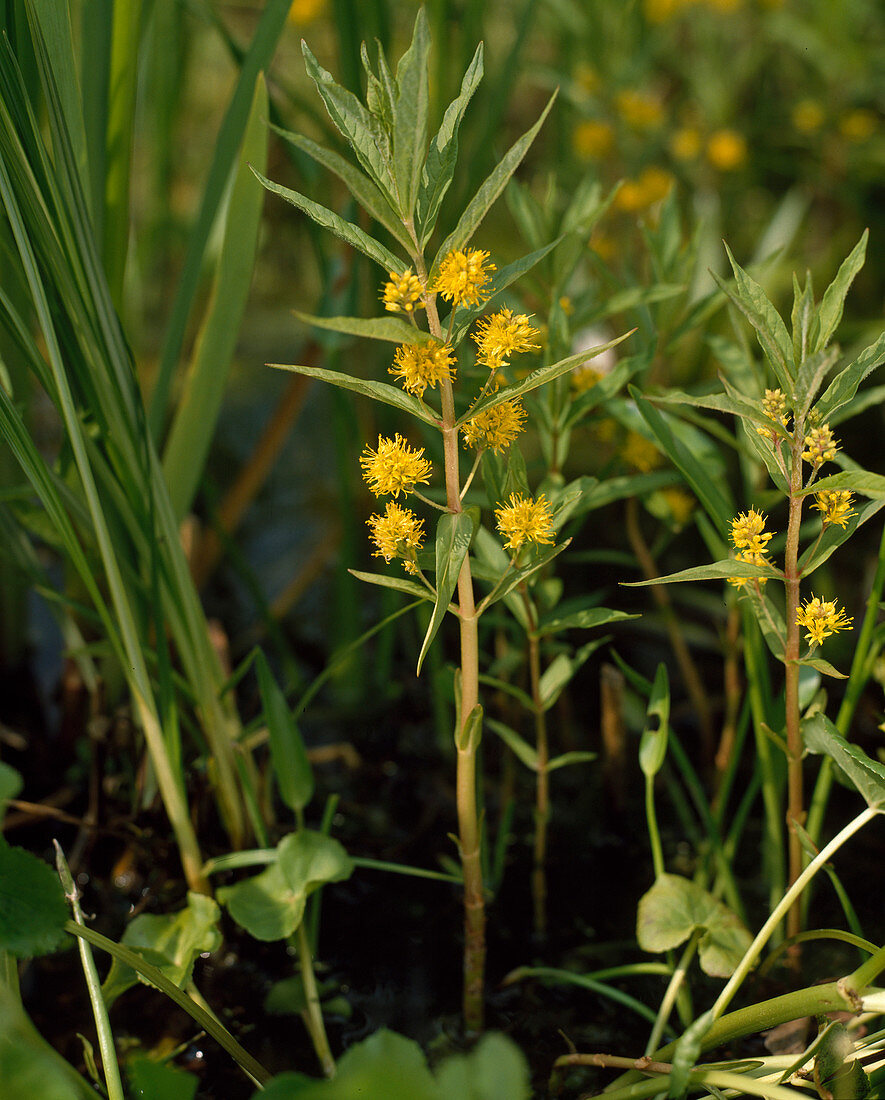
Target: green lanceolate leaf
[(370, 197), (171, 942), (653, 744), (378, 391), (561, 670), (453, 534), (566, 759), (32, 904), (868, 776), (844, 386), (520, 748), (587, 619), (823, 667), (540, 377), (834, 536), (686, 1054), (674, 908), (488, 192), (771, 331), (347, 231), (439, 167), (803, 319), (833, 301), (519, 576), (410, 115), (723, 402), (717, 570), (356, 124), (812, 372), (401, 584), (392, 329), (858, 481), (270, 906), (291, 767)]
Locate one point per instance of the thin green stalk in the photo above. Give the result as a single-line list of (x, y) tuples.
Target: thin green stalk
[(675, 984), (109, 1063), (654, 834), (253, 1069), (313, 1013)]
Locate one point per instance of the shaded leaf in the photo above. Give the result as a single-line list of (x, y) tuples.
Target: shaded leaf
[(834, 536), (587, 619), (858, 481), (291, 766), (29, 1067), (453, 535), (838, 1074), (844, 386), (868, 776), (520, 748), (566, 759), (496, 1069), (392, 329), (33, 910), (822, 666), (153, 1080)]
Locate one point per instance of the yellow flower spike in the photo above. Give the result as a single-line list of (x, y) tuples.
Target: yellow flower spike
[(752, 557), (821, 619), (463, 277), (422, 365), (834, 506), (727, 150), (525, 520), (394, 467), (495, 429), (820, 446), (748, 532), (774, 405), (402, 293), (502, 335), (397, 534)]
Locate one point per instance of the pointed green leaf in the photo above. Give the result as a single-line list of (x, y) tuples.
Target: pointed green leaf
[(519, 576), (868, 776), (540, 377), (653, 743), (33, 910), (392, 329), (378, 391), (488, 192), (410, 115), (355, 123), (834, 536), (812, 372), (837, 1072), (685, 1056), (833, 301), (561, 670), (370, 197), (771, 331), (291, 766), (347, 231), (495, 1069), (588, 619), (858, 481), (520, 748), (803, 319), (453, 534), (439, 167), (566, 759), (674, 908), (401, 584), (823, 667), (468, 738), (724, 402), (717, 570), (844, 386)]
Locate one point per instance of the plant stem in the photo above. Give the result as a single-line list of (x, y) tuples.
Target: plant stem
[(109, 1063), (676, 983), (313, 1014), (795, 794)]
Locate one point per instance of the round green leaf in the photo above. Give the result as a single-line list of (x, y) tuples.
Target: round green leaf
[(33, 910)]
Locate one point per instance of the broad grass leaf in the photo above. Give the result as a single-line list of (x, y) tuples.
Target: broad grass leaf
[(868, 776), (378, 391), (328, 219), (674, 908), (833, 301), (488, 192), (439, 166), (844, 386), (392, 329), (33, 910), (410, 114), (291, 766), (171, 942), (453, 534)]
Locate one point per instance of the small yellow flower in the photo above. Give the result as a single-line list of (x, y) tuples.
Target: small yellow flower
[(397, 534), (858, 125), (585, 378), (495, 429), (834, 506), (502, 335), (774, 405), (808, 116), (525, 520), (685, 144), (652, 185), (305, 11), (726, 150), (640, 452), (639, 109), (820, 446), (724, 6), (395, 467), (587, 78), (752, 557), (423, 365), (680, 503), (748, 532), (592, 139), (402, 294), (659, 11), (463, 277), (821, 619)]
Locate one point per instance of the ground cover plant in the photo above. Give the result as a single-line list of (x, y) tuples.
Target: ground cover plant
[(521, 781)]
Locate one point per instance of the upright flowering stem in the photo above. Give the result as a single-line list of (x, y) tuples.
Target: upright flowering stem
[(468, 816), (795, 796)]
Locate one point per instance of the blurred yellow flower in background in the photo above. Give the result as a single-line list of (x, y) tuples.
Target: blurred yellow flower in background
[(653, 184), (305, 11), (685, 144), (639, 109), (592, 139), (808, 116), (858, 125), (727, 150)]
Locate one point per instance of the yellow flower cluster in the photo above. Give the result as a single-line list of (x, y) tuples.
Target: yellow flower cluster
[(394, 467), (463, 277), (423, 365), (640, 452), (652, 185), (727, 150), (592, 139), (502, 335), (834, 507), (305, 11), (525, 520), (774, 405), (495, 429), (402, 293), (397, 534), (821, 619), (820, 446), (751, 542), (639, 109)]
